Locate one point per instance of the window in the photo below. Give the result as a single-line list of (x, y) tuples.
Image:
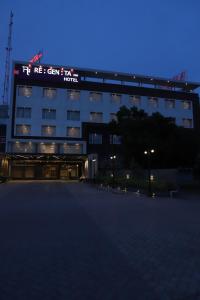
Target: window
[(48, 113), (95, 96), (135, 100), (73, 115), (21, 147), (186, 104), (25, 91), (96, 117), (23, 129), (170, 103), (115, 98), (73, 132), (23, 112), (47, 148), (95, 138), (115, 139), (73, 95), (113, 117), (49, 93), (71, 148), (153, 102), (187, 123), (48, 130)]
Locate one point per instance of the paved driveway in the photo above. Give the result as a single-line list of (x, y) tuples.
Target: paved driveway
[(68, 241)]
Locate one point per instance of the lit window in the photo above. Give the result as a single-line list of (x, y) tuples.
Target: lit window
[(73, 132), (23, 112), (95, 138), (115, 139), (48, 130), (25, 91), (73, 95), (135, 100), (21, 147), (153, 102), (95, 96), (186, 104), (96, 117), (49, 93), (71, 148), (73, 115), (187, 123), (23, 129), (170, 103), (113, 117), (49, 114), (115, 98), (47, 148)]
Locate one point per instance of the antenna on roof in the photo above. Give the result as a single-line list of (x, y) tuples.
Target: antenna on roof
[(5, 95)]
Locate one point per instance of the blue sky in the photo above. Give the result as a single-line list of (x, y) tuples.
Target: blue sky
[(157, 37)]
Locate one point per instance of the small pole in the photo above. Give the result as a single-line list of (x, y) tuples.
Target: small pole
[(148, 153), (149, 176)]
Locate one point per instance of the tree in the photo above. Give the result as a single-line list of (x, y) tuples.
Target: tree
[(174, 146)]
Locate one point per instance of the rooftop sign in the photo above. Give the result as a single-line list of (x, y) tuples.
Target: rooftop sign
[(45, 73)]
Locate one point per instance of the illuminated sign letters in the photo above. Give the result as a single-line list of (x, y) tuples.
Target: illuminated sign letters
[(26, 69), (46, 73)]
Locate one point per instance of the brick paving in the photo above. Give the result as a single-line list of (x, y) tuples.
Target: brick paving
[(69, 241)]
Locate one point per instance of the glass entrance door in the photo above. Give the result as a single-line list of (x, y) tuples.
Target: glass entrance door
[(50, 172), (69, 172)]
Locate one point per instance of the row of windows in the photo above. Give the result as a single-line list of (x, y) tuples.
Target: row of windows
[(47, 148), (74, 132), (48, 131), (73, 115), (95, 138), (47, 113), (96, 117), (51, 93)]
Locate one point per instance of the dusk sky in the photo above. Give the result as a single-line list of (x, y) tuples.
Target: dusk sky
[(159, 38)]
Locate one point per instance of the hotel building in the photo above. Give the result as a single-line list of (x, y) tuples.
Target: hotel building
[(58, 116)]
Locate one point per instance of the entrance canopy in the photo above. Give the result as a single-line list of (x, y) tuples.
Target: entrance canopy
[(28, 166)]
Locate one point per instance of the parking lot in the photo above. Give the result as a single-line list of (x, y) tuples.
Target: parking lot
[(64, 240)]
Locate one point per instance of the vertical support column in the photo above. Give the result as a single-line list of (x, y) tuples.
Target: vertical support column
[(5, 167)]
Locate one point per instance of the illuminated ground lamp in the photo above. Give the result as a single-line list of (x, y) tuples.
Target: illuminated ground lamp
[(148, 154)]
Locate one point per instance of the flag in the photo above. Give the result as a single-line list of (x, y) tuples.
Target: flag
[(36, 58)]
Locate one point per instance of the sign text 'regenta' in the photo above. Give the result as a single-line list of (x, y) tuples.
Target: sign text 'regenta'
[(46, 73)]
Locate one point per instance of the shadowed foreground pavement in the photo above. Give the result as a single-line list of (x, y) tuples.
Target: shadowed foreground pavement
[(69, 241)]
